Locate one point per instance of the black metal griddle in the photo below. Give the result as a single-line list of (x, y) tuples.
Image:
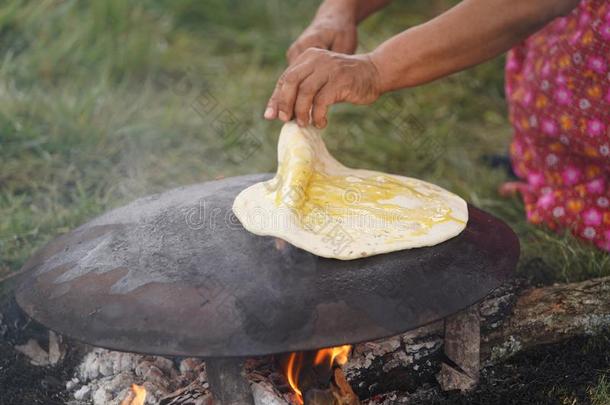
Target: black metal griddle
[(177, 274)]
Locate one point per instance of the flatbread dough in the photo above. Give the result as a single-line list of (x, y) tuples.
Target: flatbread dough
[(319, 205)]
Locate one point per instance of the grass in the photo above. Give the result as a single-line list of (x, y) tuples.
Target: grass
[(600, 394), (107, 100)]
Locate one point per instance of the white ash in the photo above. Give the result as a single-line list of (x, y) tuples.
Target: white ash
[(105, 377), (265, 394), (72, 384), (83, 393)]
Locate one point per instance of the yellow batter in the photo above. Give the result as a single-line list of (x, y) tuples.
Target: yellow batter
[(317, 204)]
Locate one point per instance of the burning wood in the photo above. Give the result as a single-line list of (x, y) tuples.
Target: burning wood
[(338, 355), (316, 378), (342, 391), (338, 392), (136, 396)]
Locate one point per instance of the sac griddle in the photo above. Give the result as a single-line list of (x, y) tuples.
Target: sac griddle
[(176, 274)]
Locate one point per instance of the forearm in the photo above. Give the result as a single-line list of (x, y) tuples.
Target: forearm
[(469, 33), (368, 7), (354, 10)]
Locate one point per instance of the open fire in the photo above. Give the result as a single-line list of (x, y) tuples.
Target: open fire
[(136, 396), (310, 378), (311, 374)]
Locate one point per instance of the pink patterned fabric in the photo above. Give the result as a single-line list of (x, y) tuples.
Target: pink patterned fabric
[(558, 91)]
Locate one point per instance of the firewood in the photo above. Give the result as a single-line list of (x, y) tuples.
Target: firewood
[(513, 318), (342, 390)]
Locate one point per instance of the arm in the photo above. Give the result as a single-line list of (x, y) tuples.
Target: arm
[(469, 33), (334, 26), (368, 7), (357, 10)]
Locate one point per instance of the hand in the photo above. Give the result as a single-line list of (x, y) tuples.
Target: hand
[(319, 78), (336, 33)]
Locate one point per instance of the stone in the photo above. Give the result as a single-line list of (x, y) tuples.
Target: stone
[(36, 354), (56, 349)]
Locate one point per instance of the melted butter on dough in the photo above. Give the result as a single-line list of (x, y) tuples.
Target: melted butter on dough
[(317, 204)]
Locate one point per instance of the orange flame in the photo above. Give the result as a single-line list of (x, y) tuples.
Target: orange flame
[(137, 396), (292, 373), (333, 355), (328, 357)]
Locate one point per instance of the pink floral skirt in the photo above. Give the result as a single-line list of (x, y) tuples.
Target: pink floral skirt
[(558, 91)]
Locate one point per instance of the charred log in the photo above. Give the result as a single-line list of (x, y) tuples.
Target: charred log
[(512, 318), (228, 383)]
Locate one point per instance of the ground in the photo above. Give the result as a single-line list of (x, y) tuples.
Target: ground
[(572, 372), (105, 101), (21, 382)]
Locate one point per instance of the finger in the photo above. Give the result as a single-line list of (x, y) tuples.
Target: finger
[(325, 97), (305, 96), (276, 106), (287, 93), (271, 112)]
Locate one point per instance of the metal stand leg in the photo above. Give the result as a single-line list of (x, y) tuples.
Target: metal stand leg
[(227, 381), (461, 366)]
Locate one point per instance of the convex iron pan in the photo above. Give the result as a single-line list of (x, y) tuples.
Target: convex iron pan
[(176, 274)]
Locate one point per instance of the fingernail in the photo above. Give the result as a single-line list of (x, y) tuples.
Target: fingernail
[(268, 113), (284, 116), (300, 123)]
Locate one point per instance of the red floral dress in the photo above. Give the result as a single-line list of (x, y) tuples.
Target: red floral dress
[(558, 91)]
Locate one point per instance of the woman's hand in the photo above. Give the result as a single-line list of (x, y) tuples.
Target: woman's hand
[(336, 33), (319, 78)]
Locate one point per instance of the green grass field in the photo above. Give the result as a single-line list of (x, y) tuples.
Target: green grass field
[(105, 101)]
